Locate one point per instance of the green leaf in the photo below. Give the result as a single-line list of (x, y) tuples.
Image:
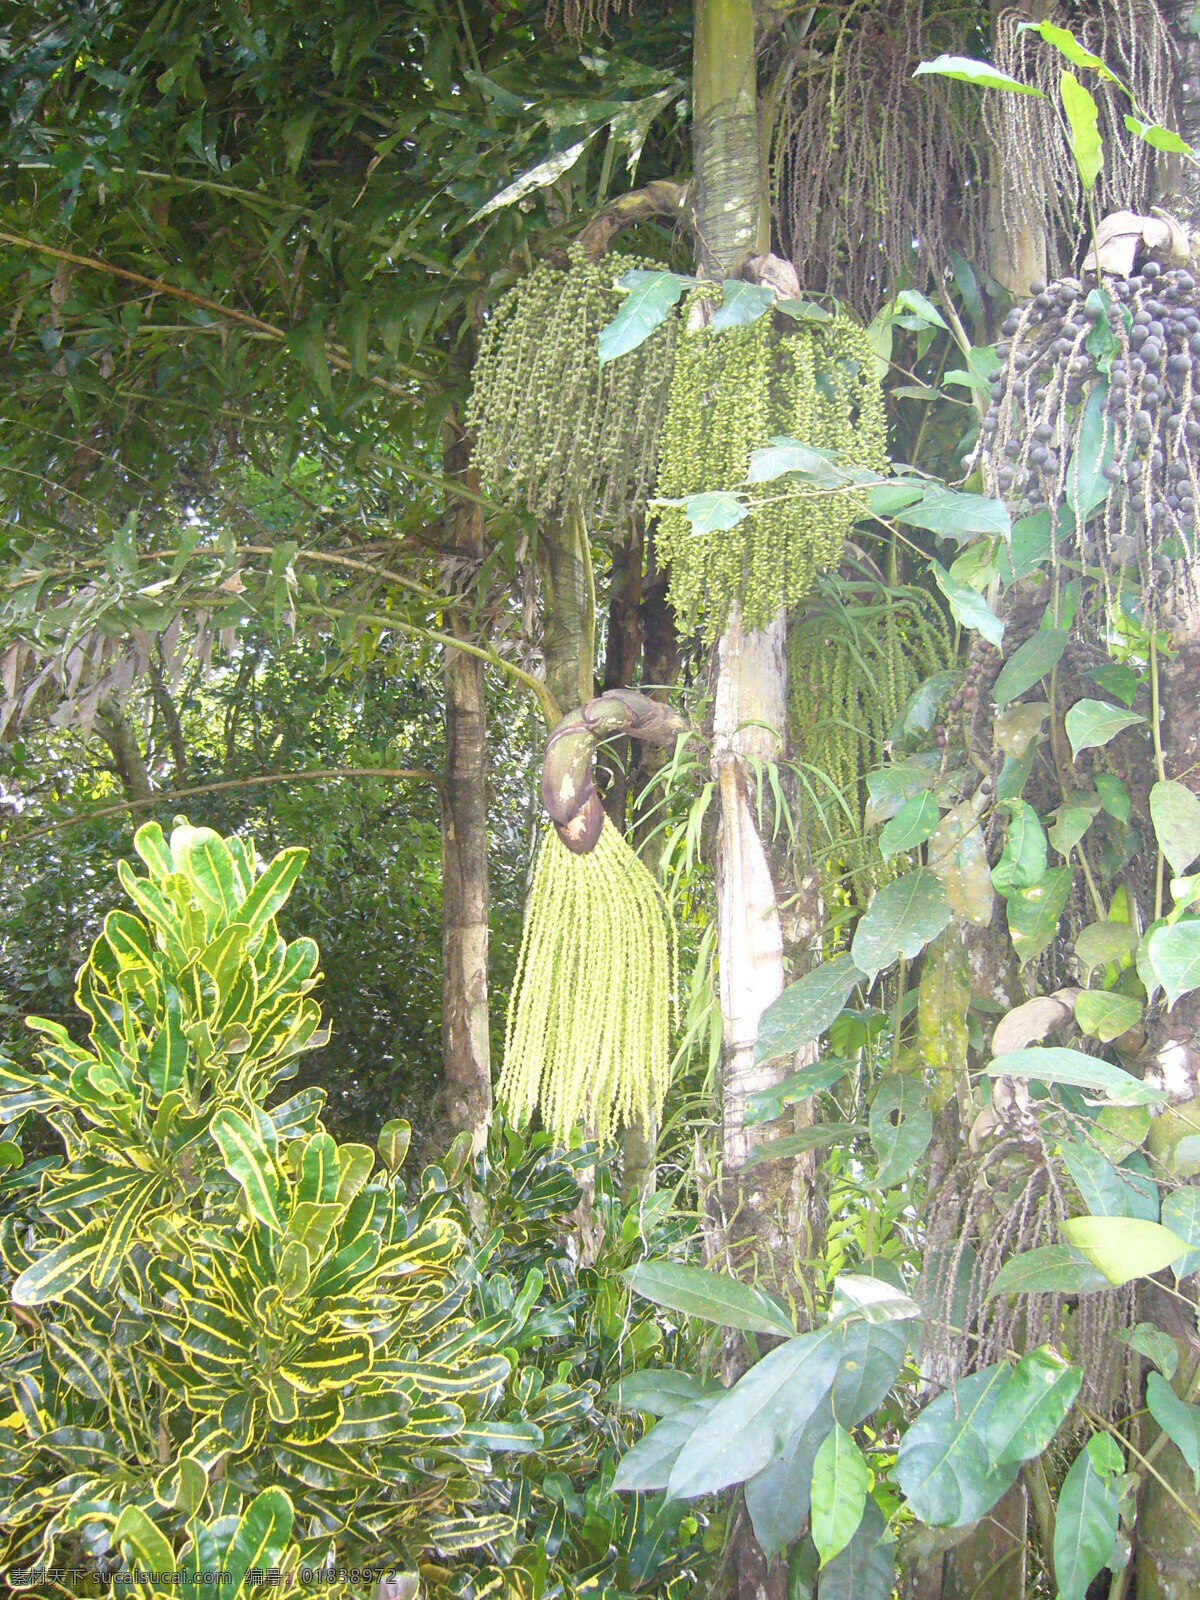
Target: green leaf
[(647, 1467), (1114, 797), (1104, 1194), (866, 1568), (1178, 1419), (767, 1104), (1154, 1345), (714, 511), (1174, 954), (1181, 1213), (540, 176), (1083, 119), (749, 1425), (1159, 138), (953, 514), (259, 1541), (271, 891), (1123, 1248), (60, 1269), (1029, 664), (1022, 862), (393, 1142), (698, 1292), (803, 310), (651, 298), (1106, 1016), (942, 1464), (249, 1161), (1067, 45), (806, 1008), (741, 304), (900, 921), (901, 1127), (1092, 723), (1175, 812), (1117, 679), (659, 1391), (980, 73), (1033, 914), (1087, 486), (1072, 820), (819, 1137), (911, 826), (1102, 942), (1050, 1269), (1053, 1064), (777, 1498), (148, 1547), (970, 610), (1032, 1407), (1085, 1526), (839, 1493)]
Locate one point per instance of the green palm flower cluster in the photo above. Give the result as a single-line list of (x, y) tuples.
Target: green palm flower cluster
[(732, 391), (588, 1025), (557, 429)]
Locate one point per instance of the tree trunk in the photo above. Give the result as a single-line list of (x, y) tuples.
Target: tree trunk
[(118, 733), (466, 1046), (621, 655), (568, 639)]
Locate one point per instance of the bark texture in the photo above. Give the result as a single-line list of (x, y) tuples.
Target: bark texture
[(466, 1047), (567, 640), (118, 733)]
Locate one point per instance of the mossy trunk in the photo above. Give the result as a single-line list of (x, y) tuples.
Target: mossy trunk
[(568, 622), (466, 1049), (119, 734)]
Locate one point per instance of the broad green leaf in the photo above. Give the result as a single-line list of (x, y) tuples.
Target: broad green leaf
[(698, 1292), (1118, 679), (272, 889), (60, 1269), (1123, 1248), (901, 1127), (970, 610), (911, 826), (1022, 862), (1106, 1016), (1090, 724), (806, 1008), (1031, 547), (1158, 137), (1104, 1194), (1072, 820), (767, 1104), (1085, 1526), (749, 1425), (149, 843), (647, 1467), (1032, 1408), (1029, 664), (1053, 1064), (259, 1541), (1119, 1130), (1102, 942), (540, 176), (900, 921), (803, 310), (1083, 118), (777, 1498), (714, 511), (954, 515), (1016, 731), (1174, 955), (1050, 1269), (980, 73), (248, 1160), (839, 1493), (1175, 812), (660, 1391), (741, 303), (819, 1137), (1087, 486), (1181, 1213), (876, 1299), (148, 1547), (651, 298), (394, 1140), (889, 787), (942, 1465), (1114, 797), (784, 456), (866, 1568), (204, 857), (1178, 1419), (1067, 45), (1033, 914), (1156, 1346)]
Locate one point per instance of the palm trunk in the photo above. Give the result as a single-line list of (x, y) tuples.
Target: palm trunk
[(466, 1048), (118, 733)]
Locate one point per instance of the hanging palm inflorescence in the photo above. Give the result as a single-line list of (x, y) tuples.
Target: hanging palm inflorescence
[(553, 425), (732, 391), (1031, 167), (853, 665), (875, 176)]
